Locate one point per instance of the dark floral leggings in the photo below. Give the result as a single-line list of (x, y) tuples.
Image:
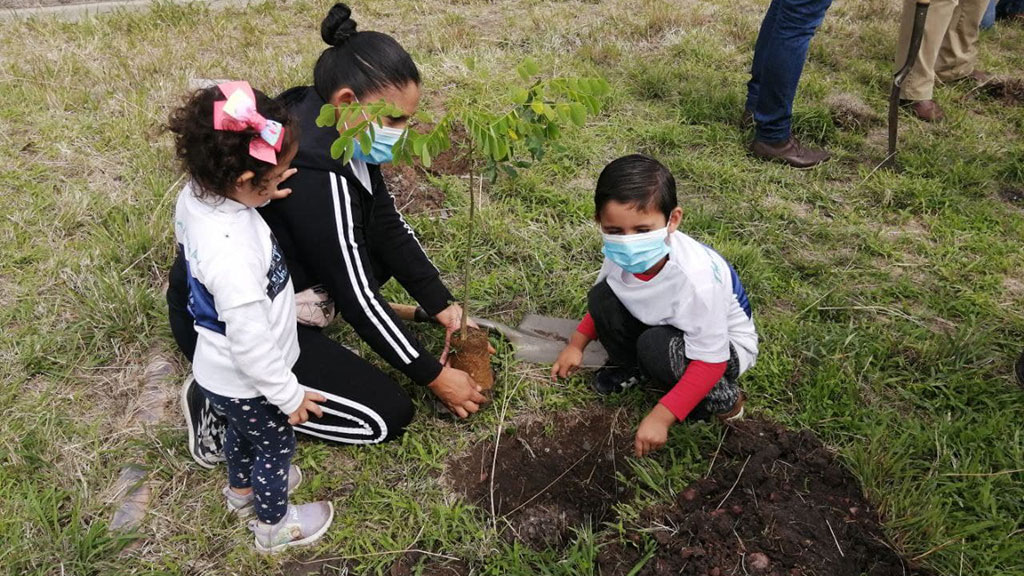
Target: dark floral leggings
[(258, 447)]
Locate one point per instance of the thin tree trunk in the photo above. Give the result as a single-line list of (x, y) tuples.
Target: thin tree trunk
[(469, 251)]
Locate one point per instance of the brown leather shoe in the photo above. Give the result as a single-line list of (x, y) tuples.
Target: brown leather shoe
[(791, 152), (927, 110)]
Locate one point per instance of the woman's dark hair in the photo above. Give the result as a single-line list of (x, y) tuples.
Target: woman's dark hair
[(216, 158), (365, 62), (638, 181)]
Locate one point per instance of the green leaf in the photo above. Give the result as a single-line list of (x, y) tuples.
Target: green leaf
[(578, 113), (531, 66), (537, 106), (523, 73), (338, 147), (327, 117), (425, 158), (365, 142), (520, 96)]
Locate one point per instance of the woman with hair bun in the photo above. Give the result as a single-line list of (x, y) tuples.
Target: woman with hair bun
[(341, 232)]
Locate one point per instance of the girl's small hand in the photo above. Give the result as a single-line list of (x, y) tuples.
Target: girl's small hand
[(272, 186), (568, 362), (309, 404), (653, 431)]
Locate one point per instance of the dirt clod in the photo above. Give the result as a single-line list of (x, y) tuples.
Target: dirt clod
[(788, 496), (759, 562), (546, 481), (849, 112), (1009, 90), (473, 356)]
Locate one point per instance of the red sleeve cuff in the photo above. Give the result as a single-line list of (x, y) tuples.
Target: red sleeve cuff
[(699, 378), (586, 327)]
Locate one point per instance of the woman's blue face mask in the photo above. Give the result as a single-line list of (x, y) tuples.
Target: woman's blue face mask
[(384, 140), (636, 253)]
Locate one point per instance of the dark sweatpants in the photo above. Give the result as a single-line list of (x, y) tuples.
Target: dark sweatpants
[(364, 405), (659, 351)]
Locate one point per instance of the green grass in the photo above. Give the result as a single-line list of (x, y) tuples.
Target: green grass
[(888, 303)]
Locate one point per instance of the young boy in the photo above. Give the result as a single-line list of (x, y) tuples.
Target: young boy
[(667, 308)]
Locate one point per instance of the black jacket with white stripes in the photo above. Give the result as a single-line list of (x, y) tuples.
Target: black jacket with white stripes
[(336, 233)]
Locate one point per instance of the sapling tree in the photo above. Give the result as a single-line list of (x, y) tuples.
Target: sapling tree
[(530, 121)]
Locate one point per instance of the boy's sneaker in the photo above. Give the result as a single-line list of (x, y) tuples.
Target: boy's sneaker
[(302, 524), (241, 506), (734, 413), (615, 379), (206, 430)]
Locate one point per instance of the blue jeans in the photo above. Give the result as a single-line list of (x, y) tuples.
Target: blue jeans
[(989, 20), (779, 57)]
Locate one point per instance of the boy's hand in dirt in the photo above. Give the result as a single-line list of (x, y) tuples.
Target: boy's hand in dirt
[(568, 362), (653, 431), (457, 390), (571, 357), (309, 404)]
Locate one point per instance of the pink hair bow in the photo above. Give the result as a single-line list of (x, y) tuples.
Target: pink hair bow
[(238, 113)]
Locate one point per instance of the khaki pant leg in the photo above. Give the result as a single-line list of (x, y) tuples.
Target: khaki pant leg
[(919, 84), (959, 52)]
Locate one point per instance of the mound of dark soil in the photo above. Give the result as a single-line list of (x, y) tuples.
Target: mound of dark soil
[(549, 477), (413, 193), (412, 190), (1009, 90), (776, 503), (1013, 196)]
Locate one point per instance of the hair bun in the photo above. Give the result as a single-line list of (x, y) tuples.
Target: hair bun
[(338, 26)]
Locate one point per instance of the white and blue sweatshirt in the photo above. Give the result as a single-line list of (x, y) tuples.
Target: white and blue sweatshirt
[(242, 299)]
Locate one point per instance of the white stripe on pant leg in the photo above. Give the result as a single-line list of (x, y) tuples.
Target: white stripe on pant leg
[(343, 242), (365, 283), (358, 408), (362, 428)]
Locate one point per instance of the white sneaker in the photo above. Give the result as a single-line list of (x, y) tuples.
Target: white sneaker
[(241, 506), (303, 524)]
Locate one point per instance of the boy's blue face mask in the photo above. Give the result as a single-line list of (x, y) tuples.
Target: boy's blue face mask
[(384, 140), (636, 253)]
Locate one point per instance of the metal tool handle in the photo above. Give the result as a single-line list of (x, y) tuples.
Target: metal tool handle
[(916, 33)]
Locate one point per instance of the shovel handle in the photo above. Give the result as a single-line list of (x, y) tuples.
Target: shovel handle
[(411, 313)]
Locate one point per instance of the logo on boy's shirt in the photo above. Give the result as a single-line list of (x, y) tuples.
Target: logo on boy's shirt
[(277, 275)]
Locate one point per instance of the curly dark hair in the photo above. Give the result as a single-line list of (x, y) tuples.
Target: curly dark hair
[(216, 158)]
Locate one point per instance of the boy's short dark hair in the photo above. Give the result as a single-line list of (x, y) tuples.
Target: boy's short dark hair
[(638, 181)]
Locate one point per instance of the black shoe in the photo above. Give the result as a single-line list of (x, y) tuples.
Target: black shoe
[(615, 379), (206, 429)]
